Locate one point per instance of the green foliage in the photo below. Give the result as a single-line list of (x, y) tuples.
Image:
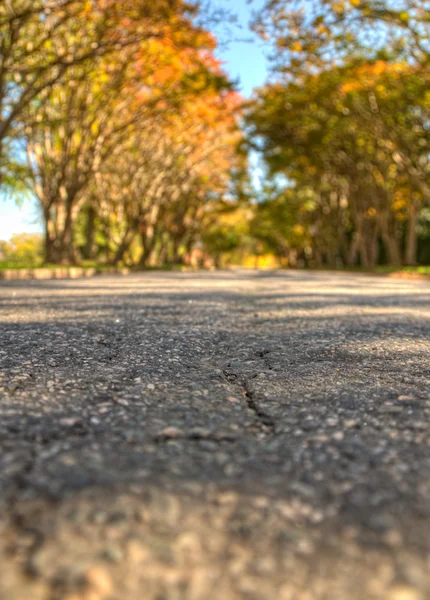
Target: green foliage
[(356, 135), (227, 236), (22, 250), (345, 121), (311, 35)]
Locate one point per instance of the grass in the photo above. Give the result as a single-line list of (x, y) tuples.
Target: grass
[(6, 265), (10, 264), (422, 270), (418, 270), (381, 270)]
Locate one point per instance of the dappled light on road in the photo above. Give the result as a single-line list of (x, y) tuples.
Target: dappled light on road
[(275, 422)]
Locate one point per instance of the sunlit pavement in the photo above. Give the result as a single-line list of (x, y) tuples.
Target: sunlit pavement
[(221, 435)]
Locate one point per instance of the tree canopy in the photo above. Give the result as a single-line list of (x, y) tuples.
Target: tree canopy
[(345, 120)]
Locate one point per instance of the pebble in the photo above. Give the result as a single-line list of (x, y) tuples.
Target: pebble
[(390, 409), (69, 421), (393, 538), (171, 433), (99, 581), (208, 445), (233, 400), (403, 592), (113, 554), (200, 432), (122, 401), (350, 423)]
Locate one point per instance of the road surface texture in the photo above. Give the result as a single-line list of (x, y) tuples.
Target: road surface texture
[(215, 436)]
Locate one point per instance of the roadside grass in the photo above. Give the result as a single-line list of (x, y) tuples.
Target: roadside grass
[(12, 264), (99, 267), (421, 270)]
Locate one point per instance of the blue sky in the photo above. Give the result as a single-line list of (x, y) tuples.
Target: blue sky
[(244, 60)]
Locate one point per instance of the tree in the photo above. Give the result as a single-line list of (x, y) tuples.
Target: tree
[(138, 139), (74, 132), (41, 41), (357, 138), (309, 35), (157, 186), (24, 249)]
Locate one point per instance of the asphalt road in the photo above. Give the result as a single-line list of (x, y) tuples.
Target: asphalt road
[(215, 436)]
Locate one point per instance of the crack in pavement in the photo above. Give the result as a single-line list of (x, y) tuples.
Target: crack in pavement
[(262, 418), (252, 403)]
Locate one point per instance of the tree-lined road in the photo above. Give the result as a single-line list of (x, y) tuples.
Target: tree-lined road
[(215, 436)]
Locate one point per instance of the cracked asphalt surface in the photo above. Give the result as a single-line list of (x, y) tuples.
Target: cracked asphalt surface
[(205, 436)]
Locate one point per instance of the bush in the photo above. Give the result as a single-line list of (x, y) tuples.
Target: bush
[(22, 250)]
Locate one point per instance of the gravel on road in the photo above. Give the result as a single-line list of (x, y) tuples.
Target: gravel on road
[(215, 436)]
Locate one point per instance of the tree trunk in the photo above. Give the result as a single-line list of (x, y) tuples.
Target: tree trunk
[(67, 251), (318, 261), (177, 258), (51, 242), (351, 260), (163, 254), (59, 242), (90, 234), (292, 258), (391, 245), (362, 244), (411, 237), (374, 249), (148, 242), (123, 247), (50, 250)]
